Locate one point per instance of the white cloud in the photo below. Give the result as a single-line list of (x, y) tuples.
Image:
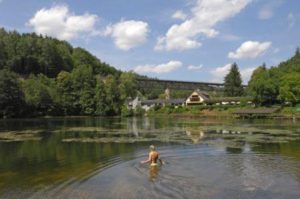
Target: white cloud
[(246, 74), (250, 49), (160, 68), (179, 15), (128, 34), (219, 73), (195, 68), (204, 16), (59, 22), (291, 20)]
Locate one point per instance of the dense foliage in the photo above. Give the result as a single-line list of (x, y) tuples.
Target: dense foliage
[(233, 82), (11, 95), (32, 54), (45, 76), (279, 84)]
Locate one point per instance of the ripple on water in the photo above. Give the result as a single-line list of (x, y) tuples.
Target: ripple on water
[(189, 172)]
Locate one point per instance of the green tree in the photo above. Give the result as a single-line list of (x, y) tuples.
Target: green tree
[(100, 99), (262, 88), (128, 86), (37, 94), (3, 56), (11, 95), (66, 92), (113, 99), (289, 90), (126, 112), (233, 82), (84, 85)]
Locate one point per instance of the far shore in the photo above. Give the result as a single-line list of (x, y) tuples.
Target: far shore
[(218, 114)]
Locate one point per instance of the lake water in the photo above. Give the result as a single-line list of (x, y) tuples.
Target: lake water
[(99, 158)]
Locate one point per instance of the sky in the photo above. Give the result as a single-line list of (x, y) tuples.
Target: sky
[(191, 40)]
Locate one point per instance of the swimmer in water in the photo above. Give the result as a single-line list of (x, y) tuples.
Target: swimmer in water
[(153, 157)]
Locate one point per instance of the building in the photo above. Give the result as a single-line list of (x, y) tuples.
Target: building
[(197, 97), (147, 104), (176, 102), (134, 103)]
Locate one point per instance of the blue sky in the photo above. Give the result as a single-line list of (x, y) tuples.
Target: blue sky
[(194, 40)]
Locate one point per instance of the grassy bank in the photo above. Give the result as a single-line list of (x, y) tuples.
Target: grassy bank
[(220, 111)]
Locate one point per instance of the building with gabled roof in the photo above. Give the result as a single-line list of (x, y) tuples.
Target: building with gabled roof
[(197, 97)]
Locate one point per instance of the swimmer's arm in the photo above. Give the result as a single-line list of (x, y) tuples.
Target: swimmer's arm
[(160, 161), (148, 160)]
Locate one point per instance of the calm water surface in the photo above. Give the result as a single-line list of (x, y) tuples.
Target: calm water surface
[(99, 158)]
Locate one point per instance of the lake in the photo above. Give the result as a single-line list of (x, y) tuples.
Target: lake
[(100, 158)]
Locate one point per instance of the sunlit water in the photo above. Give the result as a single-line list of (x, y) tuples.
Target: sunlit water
[(99, 158)]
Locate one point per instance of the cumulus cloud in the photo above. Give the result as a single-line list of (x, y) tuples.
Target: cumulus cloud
[(250, 50), (195, 68), (160, 68), (179, 15), (219, 73), (246, 74), (204, 16), (128, 34), (59, 22), (291, 20)]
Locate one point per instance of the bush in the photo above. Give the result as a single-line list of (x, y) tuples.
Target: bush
[(126, 112), (139, 111)]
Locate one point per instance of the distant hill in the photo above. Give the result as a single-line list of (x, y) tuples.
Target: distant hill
[(33, 54), (279, 84)]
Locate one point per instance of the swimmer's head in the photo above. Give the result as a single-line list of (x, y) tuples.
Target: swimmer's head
[(152, 148)]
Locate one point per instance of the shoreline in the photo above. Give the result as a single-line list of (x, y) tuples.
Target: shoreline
[(205, 113)]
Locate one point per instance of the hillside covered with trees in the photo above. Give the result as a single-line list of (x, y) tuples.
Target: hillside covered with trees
[(279, 84), (276, 85), (44, 76)]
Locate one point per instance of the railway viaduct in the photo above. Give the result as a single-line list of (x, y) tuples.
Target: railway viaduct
[(178, 85)]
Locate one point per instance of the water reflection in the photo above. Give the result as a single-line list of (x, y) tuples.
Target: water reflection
[(38, 155), (153, 173), (195, 135)]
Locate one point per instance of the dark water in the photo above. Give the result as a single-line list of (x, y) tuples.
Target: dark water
[(99, 158)]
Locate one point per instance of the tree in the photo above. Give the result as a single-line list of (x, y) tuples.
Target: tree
[(3, 55), (262, 88), (100, 99), (113, 99), (233, 82), (11, 95), (84, 86), (66, 92), (289, 90), (128, 86), (37, 94)]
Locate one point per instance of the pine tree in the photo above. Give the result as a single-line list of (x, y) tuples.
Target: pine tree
[(233, 82)]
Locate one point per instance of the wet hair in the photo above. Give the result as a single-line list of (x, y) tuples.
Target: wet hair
[(152, 147)]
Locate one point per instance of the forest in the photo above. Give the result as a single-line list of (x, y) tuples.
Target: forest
[(267, 86), (43, 76)]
